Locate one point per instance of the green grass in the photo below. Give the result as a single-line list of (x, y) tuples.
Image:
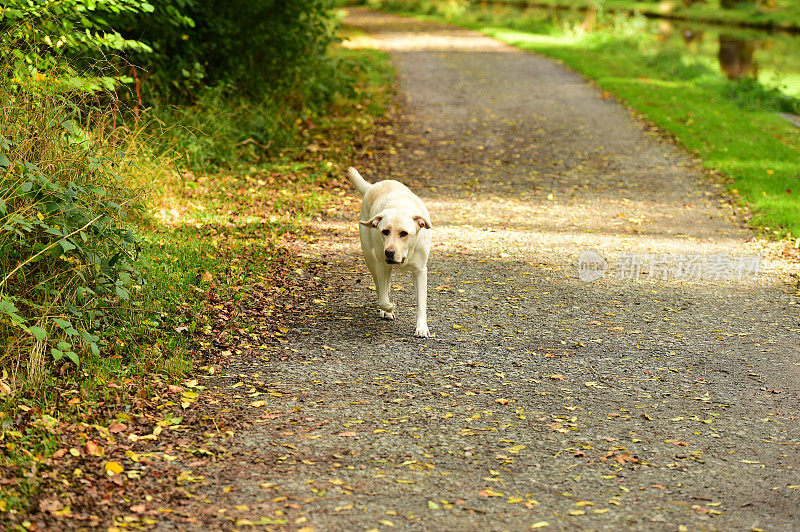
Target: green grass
[(732, 126)]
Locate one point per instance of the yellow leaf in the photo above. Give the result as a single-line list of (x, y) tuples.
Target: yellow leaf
[(336, 481), (540, 524), (114, 468), (577, 512), (258, 404), (514, 500)]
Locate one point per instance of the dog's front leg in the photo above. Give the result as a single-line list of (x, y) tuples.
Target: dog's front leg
[(383, 277), (421, 293)]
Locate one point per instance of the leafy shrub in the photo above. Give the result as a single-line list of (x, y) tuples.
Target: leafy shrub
[(66, 35), (179, 46), (257, 45), (65, 250)]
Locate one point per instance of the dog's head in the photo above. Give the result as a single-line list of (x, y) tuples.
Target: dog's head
[(399, 230)]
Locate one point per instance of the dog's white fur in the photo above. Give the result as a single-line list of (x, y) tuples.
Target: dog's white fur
[(395, 233)]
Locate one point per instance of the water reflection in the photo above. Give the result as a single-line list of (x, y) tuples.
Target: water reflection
[(664, 31), (771, 57), (736, 57), (693, 37)]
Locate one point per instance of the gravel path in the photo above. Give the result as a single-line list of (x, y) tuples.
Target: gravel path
[(649, 404)]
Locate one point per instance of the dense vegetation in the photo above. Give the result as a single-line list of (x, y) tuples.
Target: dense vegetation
[(74, 154), (126, 127), (763, 13)]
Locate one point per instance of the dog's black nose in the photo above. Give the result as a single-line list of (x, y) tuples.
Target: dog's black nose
[(389, 253)]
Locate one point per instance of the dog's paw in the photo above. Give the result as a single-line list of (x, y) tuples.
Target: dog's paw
[(387, 315), (422, 331)]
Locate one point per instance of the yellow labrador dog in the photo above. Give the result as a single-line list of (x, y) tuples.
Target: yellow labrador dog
[(395, 233)]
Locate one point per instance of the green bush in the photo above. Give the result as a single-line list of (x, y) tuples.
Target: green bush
[(170, 49), (243, 74), (258, 46), (65, 249), (67, 35)]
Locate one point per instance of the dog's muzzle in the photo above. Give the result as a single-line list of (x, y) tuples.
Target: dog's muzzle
[(390, 256)]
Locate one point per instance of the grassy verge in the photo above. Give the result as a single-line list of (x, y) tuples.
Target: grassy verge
[(778, 14), (732, 126), (213, 234)]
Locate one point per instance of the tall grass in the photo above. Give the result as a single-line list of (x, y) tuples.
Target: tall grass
[(67, 248)]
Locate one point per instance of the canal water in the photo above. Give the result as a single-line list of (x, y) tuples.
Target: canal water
[(771, 57)]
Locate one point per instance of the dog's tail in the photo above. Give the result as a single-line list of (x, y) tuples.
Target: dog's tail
[(359, 182)]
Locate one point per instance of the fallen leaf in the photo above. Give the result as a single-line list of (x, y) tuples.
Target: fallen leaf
[(113, 468), (49, 505), (59, 453), (93, 448), (117, 427)]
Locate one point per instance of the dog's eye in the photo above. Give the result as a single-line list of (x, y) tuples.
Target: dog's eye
[(385, 232), (403, 234)]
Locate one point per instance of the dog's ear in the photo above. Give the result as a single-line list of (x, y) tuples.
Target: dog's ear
[(372, 222), (422, 222)]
